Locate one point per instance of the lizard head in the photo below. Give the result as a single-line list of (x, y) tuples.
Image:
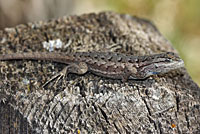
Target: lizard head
[(159, 64)]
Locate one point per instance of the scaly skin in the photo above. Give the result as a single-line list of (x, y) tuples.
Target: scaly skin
[(107, 64)]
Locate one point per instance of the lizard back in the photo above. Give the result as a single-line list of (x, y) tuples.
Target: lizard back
[(110, 64)]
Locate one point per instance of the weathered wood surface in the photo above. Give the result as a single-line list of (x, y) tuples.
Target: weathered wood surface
[(90, 104)]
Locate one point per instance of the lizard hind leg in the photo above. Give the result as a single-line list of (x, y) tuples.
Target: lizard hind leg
[(76, 68)]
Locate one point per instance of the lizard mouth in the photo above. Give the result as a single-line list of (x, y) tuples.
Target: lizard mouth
[(175, 64), (159, 68), (167, 67)]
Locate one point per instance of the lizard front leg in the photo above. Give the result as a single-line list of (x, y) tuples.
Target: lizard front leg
[(76, 68)]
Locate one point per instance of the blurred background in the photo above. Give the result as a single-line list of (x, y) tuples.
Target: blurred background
[(177, 20)]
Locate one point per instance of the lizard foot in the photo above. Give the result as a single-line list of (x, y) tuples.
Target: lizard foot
[(61, 75), (76, 68)]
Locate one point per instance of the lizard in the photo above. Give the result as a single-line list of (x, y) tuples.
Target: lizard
[(106, 64)]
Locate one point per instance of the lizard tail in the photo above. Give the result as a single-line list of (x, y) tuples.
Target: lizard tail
[(36, 56)]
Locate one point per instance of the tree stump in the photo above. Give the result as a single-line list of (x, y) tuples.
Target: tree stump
[(167, 103)]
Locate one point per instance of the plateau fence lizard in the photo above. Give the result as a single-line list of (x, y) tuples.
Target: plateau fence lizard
[(106, 64)]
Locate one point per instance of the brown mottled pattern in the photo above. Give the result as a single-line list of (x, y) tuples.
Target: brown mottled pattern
[(110, 64)]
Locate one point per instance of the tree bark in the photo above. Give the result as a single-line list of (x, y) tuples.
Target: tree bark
[(166, 103)]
